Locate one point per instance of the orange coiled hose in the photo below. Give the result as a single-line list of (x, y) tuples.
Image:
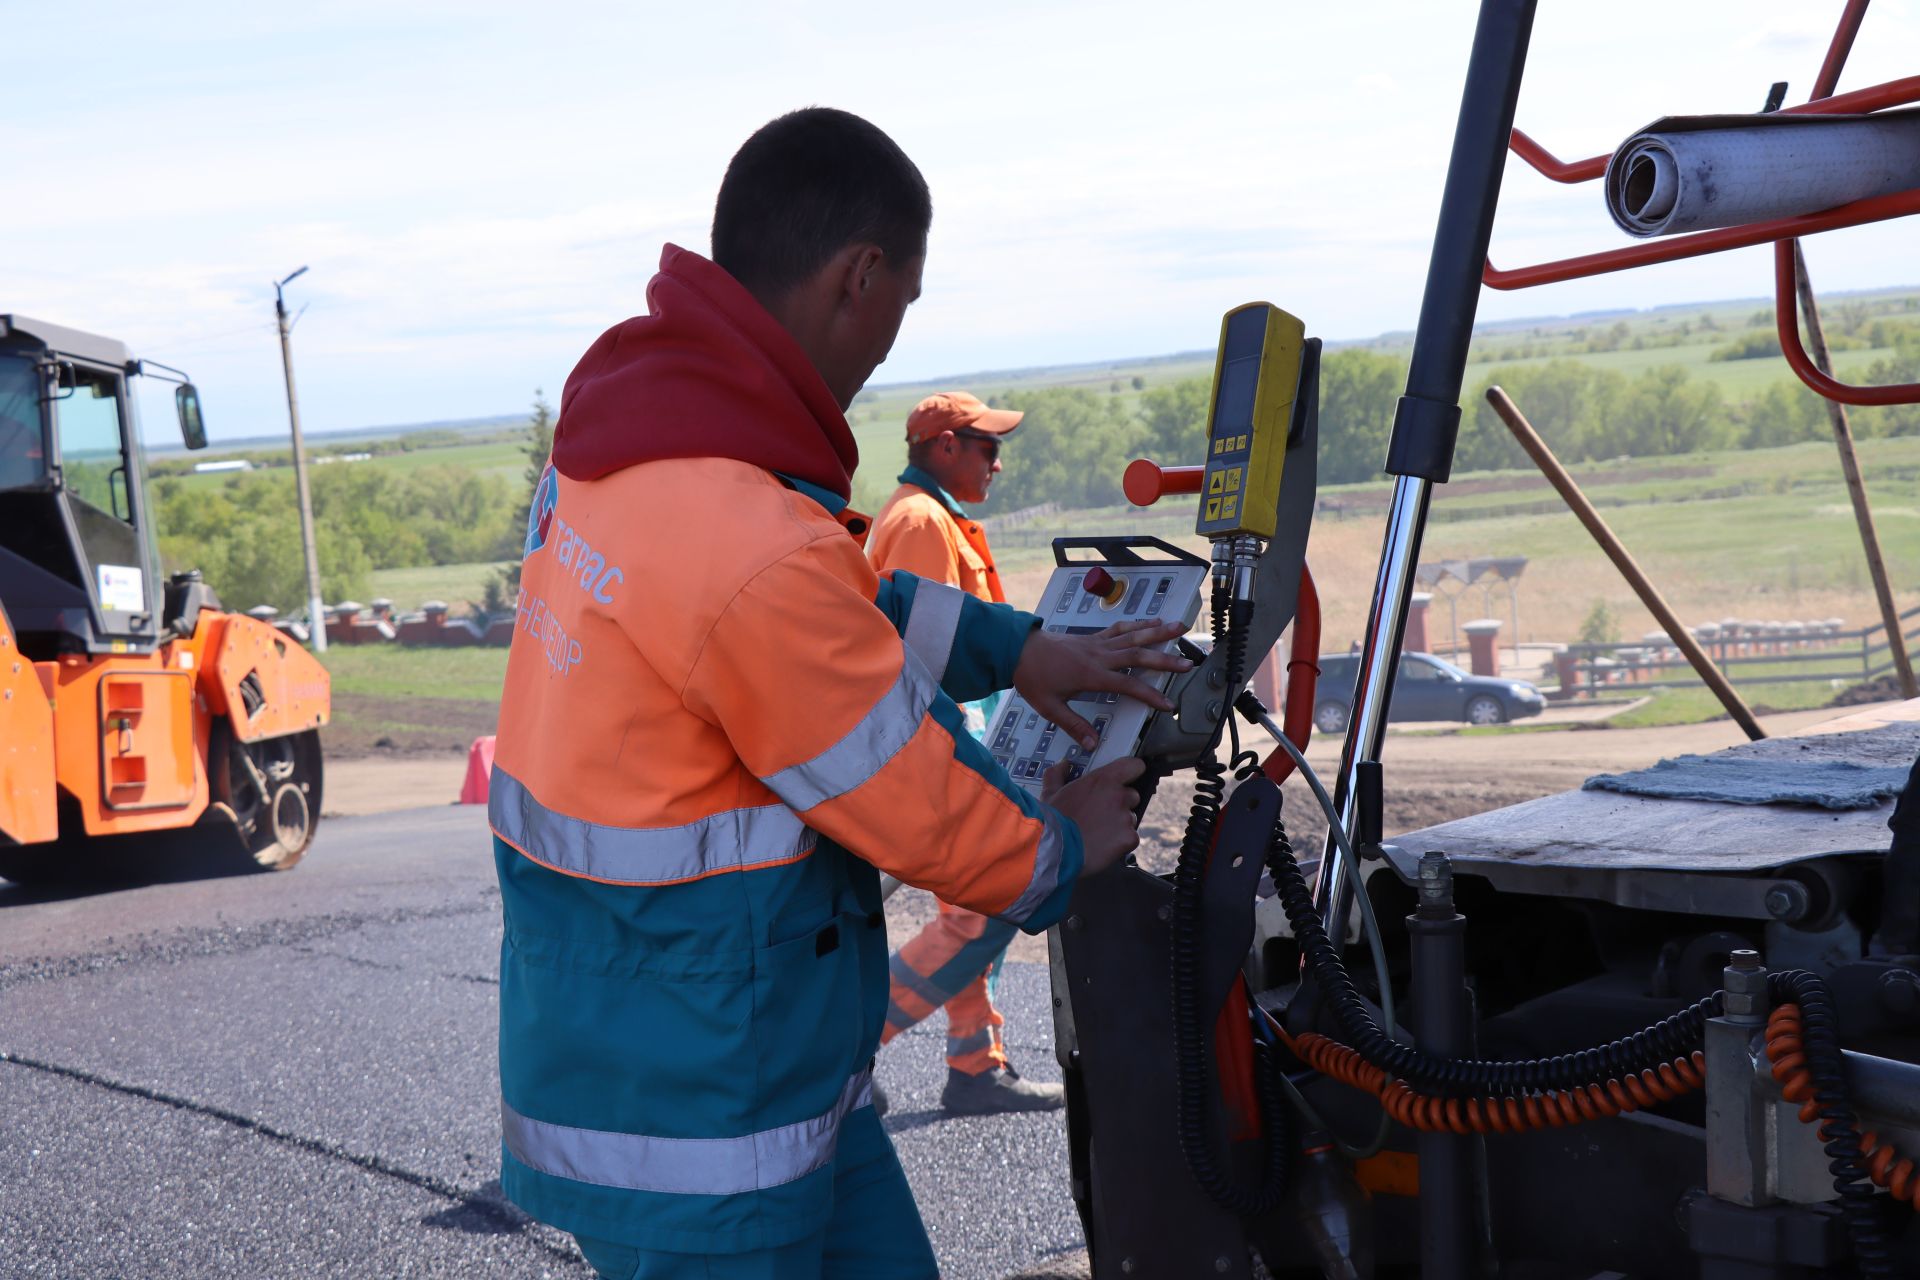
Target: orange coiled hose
[(1520, 1114), (1786, 1050)]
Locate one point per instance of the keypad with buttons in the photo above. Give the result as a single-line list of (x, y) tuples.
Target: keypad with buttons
[(1079, 602)]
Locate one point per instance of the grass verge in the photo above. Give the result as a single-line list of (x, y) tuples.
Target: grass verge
[(1694, 706)]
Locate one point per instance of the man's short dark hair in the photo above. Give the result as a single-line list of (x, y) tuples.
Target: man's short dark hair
[(807, 185)]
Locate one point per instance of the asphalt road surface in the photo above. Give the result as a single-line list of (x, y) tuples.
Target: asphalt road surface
[(294, 1075)]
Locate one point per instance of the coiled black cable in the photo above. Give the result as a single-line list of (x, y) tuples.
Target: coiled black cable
[(1193, 1065), (1839, 1132), (1672, 1037)]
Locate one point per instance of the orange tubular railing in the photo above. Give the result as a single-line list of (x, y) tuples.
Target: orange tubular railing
[(1782, 233), (1786, 322), (1894, 93)]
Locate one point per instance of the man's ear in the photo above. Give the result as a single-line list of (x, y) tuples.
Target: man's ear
[(863, 263)]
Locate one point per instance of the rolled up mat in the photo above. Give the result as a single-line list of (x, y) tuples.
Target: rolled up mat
[(1690, 173)]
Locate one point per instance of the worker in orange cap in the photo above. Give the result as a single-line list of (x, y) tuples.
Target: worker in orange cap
[(953, 453), (720, 726)]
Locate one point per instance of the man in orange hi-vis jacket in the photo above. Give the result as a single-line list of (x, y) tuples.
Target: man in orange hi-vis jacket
[(953, 453), (720, 725)]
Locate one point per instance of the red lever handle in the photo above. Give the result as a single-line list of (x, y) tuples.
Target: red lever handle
[(1146, 482)]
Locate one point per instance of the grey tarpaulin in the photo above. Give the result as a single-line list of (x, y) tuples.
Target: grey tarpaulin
[(1824, 784), (1689, 173)]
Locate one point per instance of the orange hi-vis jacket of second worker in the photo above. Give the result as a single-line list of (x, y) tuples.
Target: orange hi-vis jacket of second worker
[(923, 530), (917, 532), (718, 721)]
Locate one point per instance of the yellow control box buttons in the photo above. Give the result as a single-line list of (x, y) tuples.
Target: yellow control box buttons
[(1213, 508)]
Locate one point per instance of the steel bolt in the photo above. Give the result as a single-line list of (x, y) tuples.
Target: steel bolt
[(1786, 902), (1073, 922), (1436, 885), (1214, 709), (1221, 1265), (1126, 1266), (1216, 679), (1165, 912), (1744, 985)]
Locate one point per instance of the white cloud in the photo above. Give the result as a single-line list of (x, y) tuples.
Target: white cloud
[(481, 188)]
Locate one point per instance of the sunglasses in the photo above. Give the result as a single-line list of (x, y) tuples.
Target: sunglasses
[(991, 444)]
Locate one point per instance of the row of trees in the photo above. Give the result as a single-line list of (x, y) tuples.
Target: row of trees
[(1071, 450), (241, 532), (1075, 443)]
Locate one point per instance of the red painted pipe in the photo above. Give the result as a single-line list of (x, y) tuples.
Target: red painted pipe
[(1894, 93), (1303, 678), (1860, 212), (1843, 33), (1554, 167), (1786, 318), (1786, 298)]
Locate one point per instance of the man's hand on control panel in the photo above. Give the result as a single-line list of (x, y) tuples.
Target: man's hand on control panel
[(1102, 805), (1054, 668)]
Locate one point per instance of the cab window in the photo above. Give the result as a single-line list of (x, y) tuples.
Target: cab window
[(86, 415), (22, 450)]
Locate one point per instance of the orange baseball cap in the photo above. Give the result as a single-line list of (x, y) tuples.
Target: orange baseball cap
[(958, 411)]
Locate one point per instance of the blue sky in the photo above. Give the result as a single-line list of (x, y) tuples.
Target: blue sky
[(480, 189)]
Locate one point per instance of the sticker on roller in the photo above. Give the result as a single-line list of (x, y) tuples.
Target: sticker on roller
[(123, 588)]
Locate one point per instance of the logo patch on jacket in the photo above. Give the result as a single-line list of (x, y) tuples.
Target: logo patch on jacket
[(546, 497)]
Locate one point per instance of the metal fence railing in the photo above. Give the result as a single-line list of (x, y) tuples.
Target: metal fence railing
[(1747, 652)]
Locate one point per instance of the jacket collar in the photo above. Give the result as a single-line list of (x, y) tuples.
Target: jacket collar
[(920, 479)]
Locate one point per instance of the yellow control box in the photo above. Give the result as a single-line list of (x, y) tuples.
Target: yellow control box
[(1256, 378)]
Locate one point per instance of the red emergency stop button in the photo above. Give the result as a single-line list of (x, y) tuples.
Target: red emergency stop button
[(1097, 582)]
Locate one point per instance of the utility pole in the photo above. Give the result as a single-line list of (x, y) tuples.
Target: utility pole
[(316, 619)]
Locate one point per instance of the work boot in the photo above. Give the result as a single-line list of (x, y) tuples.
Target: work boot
[(995, 1091), (880, 1103)]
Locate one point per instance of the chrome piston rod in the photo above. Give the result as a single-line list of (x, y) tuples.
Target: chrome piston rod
[(1392, 595), (1426, 421)]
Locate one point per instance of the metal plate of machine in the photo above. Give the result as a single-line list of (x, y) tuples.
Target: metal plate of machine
[(1083, 598)]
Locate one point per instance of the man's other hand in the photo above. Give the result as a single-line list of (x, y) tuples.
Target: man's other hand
[(1053, 668), (1101, 804)]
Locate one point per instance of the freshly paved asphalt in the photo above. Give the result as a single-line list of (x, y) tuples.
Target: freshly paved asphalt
[(293, 1075)]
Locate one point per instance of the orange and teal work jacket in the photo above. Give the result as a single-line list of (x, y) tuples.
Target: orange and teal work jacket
[(923, 530), (718, 722)]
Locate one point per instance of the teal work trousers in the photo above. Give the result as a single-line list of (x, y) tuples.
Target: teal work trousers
[(875, 1232)]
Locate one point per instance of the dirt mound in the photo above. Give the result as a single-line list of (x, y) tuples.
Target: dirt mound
[(1883, 689), (365, 725)]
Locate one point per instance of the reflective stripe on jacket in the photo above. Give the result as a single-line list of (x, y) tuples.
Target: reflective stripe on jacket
[(710, 700)]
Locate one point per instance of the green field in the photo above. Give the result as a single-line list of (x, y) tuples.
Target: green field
[(879, 412), (459, 585), (1764, 534), (1737, 379), (396, 671)]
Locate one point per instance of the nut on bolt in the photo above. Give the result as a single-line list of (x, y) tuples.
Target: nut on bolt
[(1744, 985), (1786, 902), (1436, 885)]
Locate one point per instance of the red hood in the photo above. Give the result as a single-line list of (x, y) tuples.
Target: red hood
[(708, 373)]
